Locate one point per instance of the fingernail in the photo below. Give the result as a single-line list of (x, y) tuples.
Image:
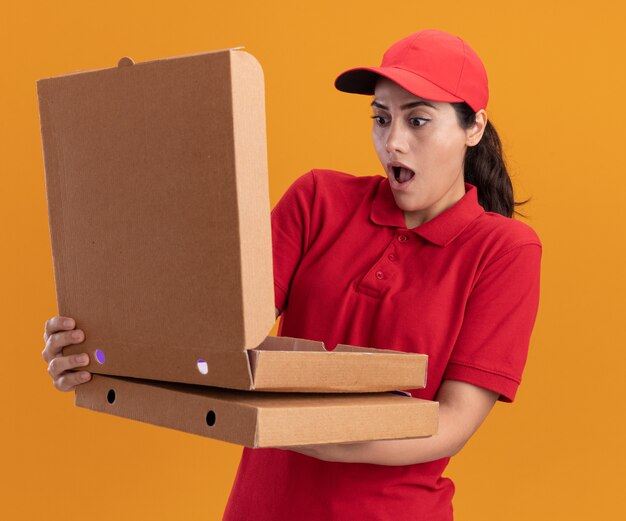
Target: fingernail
[(84, 376), (77, 335), (82, 359), (68, 323)]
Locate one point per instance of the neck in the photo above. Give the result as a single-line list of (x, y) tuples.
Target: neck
[(413, 219)]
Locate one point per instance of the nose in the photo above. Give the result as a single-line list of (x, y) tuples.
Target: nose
[(396, 140)]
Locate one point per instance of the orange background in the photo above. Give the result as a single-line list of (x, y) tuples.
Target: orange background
[(556, 72)]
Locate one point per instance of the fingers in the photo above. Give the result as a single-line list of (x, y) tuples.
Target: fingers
[(60, 364), (58, 333), (68, 381), (55, 324), (61, 370), (57, 341)]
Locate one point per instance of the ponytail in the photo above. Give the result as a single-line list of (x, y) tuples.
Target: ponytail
[(484, 167)]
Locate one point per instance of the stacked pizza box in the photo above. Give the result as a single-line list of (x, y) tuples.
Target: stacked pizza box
[(158, 205)]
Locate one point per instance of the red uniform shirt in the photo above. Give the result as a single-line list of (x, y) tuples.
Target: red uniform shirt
[(462, 288)]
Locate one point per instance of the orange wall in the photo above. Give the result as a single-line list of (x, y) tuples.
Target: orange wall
[(556, 74)]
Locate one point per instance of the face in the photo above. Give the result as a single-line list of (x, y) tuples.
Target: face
[(421, 147)]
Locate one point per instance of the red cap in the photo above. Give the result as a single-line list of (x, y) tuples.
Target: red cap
[(431, 64)]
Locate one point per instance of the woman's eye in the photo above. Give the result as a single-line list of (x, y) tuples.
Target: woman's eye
[(415, 122)]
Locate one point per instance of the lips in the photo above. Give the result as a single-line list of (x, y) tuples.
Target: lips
[(400, 172)]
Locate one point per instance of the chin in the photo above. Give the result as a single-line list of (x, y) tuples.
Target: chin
[(407, 203), (411, 209)]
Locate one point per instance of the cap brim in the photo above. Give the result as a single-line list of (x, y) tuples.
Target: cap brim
[(362, 80)]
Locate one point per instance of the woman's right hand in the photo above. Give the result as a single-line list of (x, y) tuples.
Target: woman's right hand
[(58, 333)]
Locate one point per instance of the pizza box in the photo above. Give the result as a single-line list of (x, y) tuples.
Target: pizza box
[(258, 418)]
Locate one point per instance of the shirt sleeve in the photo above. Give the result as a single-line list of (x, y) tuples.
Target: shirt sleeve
[(492, 346), (291, 225)]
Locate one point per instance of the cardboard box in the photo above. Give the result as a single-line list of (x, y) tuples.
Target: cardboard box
[(262, 419), (158, 200)]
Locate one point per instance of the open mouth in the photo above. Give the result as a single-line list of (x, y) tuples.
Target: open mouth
[(402, 174)]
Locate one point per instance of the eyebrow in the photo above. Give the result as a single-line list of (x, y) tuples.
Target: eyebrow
[(405, 106)]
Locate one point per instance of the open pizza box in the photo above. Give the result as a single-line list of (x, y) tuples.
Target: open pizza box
[(158, 204)]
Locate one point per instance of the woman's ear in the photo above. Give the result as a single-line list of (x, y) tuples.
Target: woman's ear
[(475, 132)]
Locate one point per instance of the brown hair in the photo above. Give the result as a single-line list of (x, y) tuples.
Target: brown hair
[(484, 167)]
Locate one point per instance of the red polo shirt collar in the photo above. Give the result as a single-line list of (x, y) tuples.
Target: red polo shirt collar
[(440, 230)]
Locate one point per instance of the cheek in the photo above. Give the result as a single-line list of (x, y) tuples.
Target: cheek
[(379, 145), (443, 147)]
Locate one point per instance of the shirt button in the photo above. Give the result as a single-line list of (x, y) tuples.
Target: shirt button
[(380, 275), (391, 257), (403, 238)]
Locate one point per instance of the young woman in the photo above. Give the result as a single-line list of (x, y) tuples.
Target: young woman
[(424, 259)]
